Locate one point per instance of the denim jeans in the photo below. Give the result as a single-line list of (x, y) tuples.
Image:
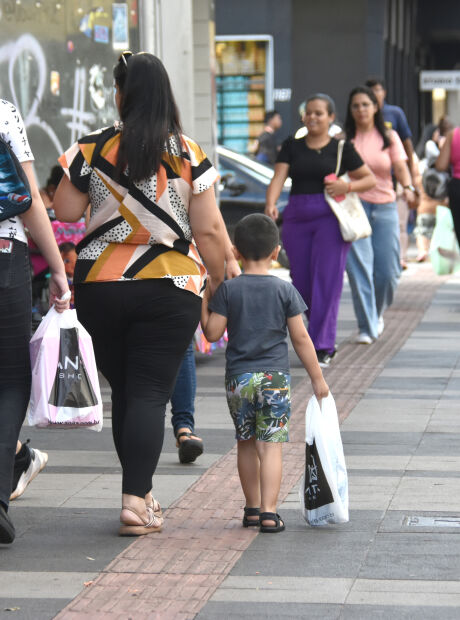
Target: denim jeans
[(183, 396), (373, 266), (15, 377)]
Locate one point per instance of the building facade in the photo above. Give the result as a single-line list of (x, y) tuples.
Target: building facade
[(57, 60), (332, 46)]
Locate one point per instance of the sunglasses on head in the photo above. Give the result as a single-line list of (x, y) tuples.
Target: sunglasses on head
[(124, 57)]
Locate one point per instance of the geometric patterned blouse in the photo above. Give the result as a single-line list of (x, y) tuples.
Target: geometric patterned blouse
[(138, 230)]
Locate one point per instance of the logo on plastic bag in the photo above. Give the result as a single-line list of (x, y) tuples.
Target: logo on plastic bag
[(72, 386), (317, 491)]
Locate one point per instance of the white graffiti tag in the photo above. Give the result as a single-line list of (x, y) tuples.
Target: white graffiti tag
[(11, 53)]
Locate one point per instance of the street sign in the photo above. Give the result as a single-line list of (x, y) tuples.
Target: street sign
[(449, 80)]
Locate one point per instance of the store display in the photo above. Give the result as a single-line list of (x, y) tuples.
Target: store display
[(240, 86)]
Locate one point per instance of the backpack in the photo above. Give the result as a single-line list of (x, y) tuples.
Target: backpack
[(15, 194)]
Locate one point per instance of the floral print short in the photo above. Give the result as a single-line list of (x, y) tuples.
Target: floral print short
[(260, 405)]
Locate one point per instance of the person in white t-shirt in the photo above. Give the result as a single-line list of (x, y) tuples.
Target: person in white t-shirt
[(19, 464)]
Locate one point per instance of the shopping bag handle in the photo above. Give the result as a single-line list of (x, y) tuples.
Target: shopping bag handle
[(67, 295)]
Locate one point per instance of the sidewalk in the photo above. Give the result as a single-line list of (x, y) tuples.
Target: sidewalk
[(402, 447)]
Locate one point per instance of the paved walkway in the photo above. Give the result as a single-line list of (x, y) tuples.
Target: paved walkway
[(398, 556)]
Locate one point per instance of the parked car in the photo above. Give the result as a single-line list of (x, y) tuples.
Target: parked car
[(243, 184)]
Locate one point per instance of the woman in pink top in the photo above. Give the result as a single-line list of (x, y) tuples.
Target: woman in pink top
[(373, 265), (450, 156)]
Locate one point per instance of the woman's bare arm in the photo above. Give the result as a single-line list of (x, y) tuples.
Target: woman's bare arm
[(206, 224), (443, 161), (275, 188), (39, 226), (69, 203)]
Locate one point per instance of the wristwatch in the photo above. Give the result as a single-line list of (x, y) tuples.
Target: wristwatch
[(409, 187)]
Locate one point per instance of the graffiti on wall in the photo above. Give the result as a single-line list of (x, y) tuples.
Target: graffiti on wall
[(58, 106)]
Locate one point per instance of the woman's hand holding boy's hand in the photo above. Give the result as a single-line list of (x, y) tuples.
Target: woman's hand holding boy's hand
[(232, 268), (320, 388)]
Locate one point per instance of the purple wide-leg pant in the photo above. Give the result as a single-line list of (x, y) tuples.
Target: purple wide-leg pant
[(317, 255)]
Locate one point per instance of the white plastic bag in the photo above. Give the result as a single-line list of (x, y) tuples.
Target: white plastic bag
[(324, 486), (65, 385)]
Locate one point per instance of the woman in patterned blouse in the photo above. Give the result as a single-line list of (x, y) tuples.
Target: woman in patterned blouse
[(140, 273)]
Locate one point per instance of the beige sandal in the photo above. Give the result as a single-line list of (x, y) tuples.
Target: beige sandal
[(154, 524), (154, 505)]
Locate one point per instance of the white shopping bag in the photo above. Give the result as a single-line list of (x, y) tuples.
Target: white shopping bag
[(324, 486), (65, 385)]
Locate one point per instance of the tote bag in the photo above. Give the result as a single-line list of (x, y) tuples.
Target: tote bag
[(349, 212)]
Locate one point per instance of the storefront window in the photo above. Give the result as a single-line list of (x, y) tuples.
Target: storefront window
[(56, 67), (243, 88)]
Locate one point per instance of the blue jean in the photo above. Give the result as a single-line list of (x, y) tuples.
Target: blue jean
[(373, 266), (183, 396)]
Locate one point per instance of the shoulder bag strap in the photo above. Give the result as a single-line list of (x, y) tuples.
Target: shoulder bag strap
[(339, 156)]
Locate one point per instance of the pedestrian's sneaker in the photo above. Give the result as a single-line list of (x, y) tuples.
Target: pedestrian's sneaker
[(364, 338), (324, 358), (380, 326), (28, 463)]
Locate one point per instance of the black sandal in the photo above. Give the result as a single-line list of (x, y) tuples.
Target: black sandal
[(190, 449), (251, 512), (271, 529)]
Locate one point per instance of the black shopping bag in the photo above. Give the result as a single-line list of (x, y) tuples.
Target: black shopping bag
[(72, 386), (317, 491)]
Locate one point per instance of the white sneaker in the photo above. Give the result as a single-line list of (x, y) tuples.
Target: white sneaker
[(380, 326), (38, 461), (364, 338)]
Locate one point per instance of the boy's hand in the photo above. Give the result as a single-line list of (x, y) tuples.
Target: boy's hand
[(320, 388)]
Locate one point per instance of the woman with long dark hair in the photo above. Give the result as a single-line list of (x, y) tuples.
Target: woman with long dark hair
[(373, 264), (140, 271), (311, 234)]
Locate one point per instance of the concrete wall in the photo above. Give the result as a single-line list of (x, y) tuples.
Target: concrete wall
[(335, 46), (203, 76), (327, 46), (181, 33)]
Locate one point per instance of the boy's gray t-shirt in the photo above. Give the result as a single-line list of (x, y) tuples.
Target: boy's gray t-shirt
[(257, 308)]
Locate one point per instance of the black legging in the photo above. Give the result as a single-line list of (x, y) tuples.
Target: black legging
[(15, 330), (140, 330), (454, 204)]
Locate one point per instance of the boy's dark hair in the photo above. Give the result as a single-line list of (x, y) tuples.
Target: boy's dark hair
[(269, 115), (375, 81), (67, 246), (256, 236)]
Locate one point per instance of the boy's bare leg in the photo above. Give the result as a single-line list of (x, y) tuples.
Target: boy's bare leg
[(249, 472), (271, 470)]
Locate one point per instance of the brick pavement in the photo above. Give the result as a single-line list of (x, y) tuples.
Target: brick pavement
[(173, 574)]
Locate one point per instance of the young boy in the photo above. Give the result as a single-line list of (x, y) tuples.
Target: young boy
[(256, 308)]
